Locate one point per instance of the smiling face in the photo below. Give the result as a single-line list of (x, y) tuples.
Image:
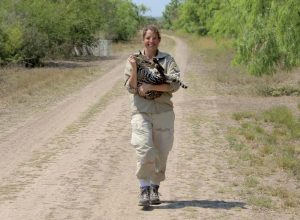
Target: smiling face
[(151, 40)]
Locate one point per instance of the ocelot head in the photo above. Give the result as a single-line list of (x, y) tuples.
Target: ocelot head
[(143, 61)]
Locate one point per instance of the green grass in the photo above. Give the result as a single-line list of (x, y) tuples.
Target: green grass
[(283, 119), (260, 201), (242, 115), (251, 181), (267, 143), (266, 90), (274, 132)]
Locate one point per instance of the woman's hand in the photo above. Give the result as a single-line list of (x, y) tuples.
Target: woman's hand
[(144, 88), (132, 61), (132, 80)]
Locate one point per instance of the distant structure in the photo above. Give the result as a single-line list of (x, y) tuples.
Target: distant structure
[(101, 48)]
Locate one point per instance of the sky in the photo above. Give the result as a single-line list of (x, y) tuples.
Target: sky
[(156, 6)]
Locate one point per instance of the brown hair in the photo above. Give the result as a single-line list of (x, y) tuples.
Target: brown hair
[(151, 28)]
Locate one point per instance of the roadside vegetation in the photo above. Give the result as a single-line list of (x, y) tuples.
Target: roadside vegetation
[(231, 79), (27, 91), (264, 33), (33, 30), (267, 144), (263, 137)]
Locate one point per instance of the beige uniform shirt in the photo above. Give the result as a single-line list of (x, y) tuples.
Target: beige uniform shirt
[(162, 103)]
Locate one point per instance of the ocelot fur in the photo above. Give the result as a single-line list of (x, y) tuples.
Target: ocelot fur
[(151, 72)]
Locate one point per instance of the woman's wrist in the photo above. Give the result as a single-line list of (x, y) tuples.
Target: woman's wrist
[(161, 88), (151, 87)]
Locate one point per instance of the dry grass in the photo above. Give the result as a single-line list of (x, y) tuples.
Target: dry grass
[(267, 145), (232, 79), (264, 144), (25, 92), (17, 81)]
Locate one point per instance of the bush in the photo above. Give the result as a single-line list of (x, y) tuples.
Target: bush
[(266, 33), (31, 30), (34, 47)]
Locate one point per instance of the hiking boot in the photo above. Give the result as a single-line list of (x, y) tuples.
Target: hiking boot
[(144, 196), (154, 195)]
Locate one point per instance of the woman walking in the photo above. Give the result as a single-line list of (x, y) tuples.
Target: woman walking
[(152, 119)]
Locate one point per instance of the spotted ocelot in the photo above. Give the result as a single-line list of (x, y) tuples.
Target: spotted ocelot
[(151, 72)]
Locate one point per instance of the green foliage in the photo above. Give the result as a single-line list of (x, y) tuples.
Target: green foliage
[(3, 39), (265, 32), (257, 49), (286, 17), (195, 15), (14, 38), (170, 14), (35, 46), (268, 39), (126, 20), (31, 30)]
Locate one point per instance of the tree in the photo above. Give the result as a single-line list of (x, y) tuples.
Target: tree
[(265, 32), (170, 13), (195, 15), (122, 20), (34, 29)]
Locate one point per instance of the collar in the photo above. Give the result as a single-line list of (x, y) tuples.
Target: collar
[(161, 55)]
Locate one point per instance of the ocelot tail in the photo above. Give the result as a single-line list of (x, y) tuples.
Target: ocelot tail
[(151, 72)]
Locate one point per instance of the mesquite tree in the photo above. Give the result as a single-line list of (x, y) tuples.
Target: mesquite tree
[(265, 32)]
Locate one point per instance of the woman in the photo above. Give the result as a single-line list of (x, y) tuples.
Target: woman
[(152, 120)]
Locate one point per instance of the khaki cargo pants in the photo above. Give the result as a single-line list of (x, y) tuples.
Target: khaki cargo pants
[(152, 137)]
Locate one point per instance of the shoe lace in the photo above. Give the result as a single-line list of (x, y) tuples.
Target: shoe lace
[(144, 192), (155, 192)]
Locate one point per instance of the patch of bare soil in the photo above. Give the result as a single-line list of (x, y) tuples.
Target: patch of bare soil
[(75, 160)]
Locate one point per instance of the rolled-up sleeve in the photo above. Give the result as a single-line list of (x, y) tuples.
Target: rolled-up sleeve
[(127, 74), (173, 69)]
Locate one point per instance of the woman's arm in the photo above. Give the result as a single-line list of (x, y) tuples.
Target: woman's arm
[(144, 88), (171, 69), (131, 75)]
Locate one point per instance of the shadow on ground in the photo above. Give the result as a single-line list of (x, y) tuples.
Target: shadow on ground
[(211, 204)]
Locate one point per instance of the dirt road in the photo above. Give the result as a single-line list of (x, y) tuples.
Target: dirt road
[(75, 160)]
